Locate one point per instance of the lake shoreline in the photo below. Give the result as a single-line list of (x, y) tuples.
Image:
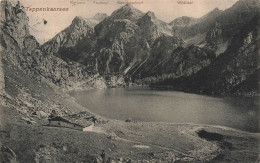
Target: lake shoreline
[(147, 105)]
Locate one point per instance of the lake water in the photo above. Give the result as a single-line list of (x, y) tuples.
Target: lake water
[(144, 104)]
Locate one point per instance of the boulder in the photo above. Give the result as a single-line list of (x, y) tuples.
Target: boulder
[(7, 154), (128, 120), (28, 120), (41, 114)]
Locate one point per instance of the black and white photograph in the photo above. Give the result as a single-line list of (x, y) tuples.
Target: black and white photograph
[(129, 81)]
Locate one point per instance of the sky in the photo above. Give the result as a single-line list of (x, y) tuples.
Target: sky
[(166, 10)]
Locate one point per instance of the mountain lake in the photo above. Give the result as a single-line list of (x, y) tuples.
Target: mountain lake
[(147, 105)]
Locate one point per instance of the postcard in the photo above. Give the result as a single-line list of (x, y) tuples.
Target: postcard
[(107, 81)]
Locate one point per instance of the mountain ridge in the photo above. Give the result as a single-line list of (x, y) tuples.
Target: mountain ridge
[(130, 46)]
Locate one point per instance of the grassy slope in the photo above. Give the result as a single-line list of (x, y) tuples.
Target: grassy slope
[(183, 138)]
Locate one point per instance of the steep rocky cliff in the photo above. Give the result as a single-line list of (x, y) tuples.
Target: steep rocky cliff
[(153, 28), (216, 29), (229, 23), (21, 50), (234, 37), (175, 63), (234, 71)]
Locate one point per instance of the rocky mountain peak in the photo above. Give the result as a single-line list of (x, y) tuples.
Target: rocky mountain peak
[(100, 16), (248, 2), (212, 14), (183, 21), (153, 28), (127, 12), (242, 6), (78, 19), (216, 9), (150, 14), (189, 21), (128, 5), (79, 29)]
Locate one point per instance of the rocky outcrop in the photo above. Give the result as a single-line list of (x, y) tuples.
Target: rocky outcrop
[(99, 17), (21, 50), (153, 28), (175, 63), (237, 66), (183, 21), (2, 79), (229, 23), (7, 154)]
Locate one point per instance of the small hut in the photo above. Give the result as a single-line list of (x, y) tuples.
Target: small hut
[(61, 122)]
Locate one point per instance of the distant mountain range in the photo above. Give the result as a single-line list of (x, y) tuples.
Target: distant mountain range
[(217, 53)]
